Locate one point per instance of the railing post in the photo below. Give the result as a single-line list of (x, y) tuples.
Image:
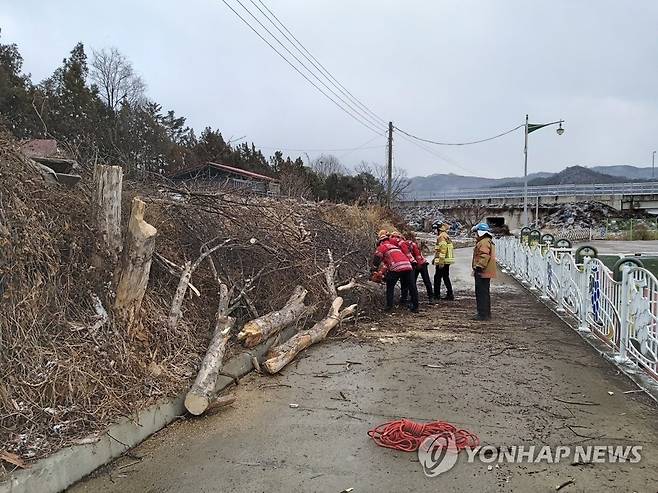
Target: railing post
[(562, 275), (545, 266), (583, 326), (623, 315)]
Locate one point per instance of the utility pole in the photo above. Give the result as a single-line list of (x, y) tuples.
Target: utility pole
[(525, 176), (389, 184), (653, 163)]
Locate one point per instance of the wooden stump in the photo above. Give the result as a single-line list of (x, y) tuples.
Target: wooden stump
[(106, 203), (135, 266), (200, 395), (281, 355), (259, 329)]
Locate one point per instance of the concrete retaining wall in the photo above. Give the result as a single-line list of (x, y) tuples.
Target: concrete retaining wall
[(69, 465)]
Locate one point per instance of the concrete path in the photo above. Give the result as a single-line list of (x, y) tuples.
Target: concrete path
[(500, 379)]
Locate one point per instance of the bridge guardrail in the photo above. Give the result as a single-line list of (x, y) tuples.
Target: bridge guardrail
[(623, 314), (536, 191)]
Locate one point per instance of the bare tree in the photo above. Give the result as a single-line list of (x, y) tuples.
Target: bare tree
[(295, 184), (327, 164), (113, 73), (379, 171)]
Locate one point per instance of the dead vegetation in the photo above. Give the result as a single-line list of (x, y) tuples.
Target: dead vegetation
[(70, 367)]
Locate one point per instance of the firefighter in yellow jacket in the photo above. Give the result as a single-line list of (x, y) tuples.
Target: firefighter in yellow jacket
[(484, 268), (443, 257)]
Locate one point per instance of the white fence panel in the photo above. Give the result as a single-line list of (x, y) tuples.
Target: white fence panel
[(623, 314)]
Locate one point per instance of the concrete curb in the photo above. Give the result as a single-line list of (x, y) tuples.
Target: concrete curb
[(633, 372), (71, 464)]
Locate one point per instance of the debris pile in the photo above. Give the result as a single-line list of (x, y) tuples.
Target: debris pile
[(72, 365), (589, 214), (577, 215)]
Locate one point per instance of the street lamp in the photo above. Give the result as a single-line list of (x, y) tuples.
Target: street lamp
[(529, 128)]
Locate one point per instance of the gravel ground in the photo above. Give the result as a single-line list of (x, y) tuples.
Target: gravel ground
[(500, 379)]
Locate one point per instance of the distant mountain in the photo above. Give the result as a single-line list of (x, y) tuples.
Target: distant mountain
[(448, 182), (577, 175), (573, 174), (631, 172)]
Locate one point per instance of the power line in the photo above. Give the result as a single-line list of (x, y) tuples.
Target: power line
[(321, 68), (358, 112), (460, 143), (434, 153), (378, 131)]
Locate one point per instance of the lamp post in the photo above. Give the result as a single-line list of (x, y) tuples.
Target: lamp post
[(531, 127)]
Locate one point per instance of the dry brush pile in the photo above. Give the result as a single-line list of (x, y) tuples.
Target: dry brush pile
[(67, 371)]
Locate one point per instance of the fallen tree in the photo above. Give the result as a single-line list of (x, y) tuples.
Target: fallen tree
[(261, 328), (200, 395), (283, 354)]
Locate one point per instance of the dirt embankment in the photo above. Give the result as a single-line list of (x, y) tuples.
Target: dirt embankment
[(63, 379)]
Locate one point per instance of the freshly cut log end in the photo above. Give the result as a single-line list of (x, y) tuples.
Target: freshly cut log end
[(196, 404), (261, 328)]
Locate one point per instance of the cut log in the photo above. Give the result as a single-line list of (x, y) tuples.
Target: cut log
[(261, 328), (281, 355), (348, 286), (200, 395), (133, 273), (106, 203)]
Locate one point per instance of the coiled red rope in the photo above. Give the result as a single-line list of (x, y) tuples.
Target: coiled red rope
[(407, 435)]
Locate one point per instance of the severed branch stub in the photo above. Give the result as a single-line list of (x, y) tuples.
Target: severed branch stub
[(281, 355), (200, 395), (261, 328)]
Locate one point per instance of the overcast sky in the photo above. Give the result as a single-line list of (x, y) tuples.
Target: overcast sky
[(449, 70)]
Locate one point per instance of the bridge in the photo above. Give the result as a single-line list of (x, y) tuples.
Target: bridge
[(621, 196)]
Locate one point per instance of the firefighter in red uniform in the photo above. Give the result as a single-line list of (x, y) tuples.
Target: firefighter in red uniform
[(398, 267), (421, 268)]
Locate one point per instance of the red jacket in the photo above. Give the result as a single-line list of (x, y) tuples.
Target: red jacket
[(416, 253), (393, 257), (404, 246)]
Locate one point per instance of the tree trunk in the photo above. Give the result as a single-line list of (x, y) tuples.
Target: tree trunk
[(281, 355), (200, 395), (259, 329), (133, 274), (106, 203)]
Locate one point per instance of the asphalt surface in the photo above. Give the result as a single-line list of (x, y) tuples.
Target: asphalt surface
[(506, 380)]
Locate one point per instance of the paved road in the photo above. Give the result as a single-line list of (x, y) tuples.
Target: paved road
[(499, 379), (620, 246)]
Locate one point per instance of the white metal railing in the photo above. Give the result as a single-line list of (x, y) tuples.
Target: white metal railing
[(623, 314), (641, 188)]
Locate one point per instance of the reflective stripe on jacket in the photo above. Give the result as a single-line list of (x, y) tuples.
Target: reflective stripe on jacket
[(444, 251), (416, 253), (393, 257), (484, 256)]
